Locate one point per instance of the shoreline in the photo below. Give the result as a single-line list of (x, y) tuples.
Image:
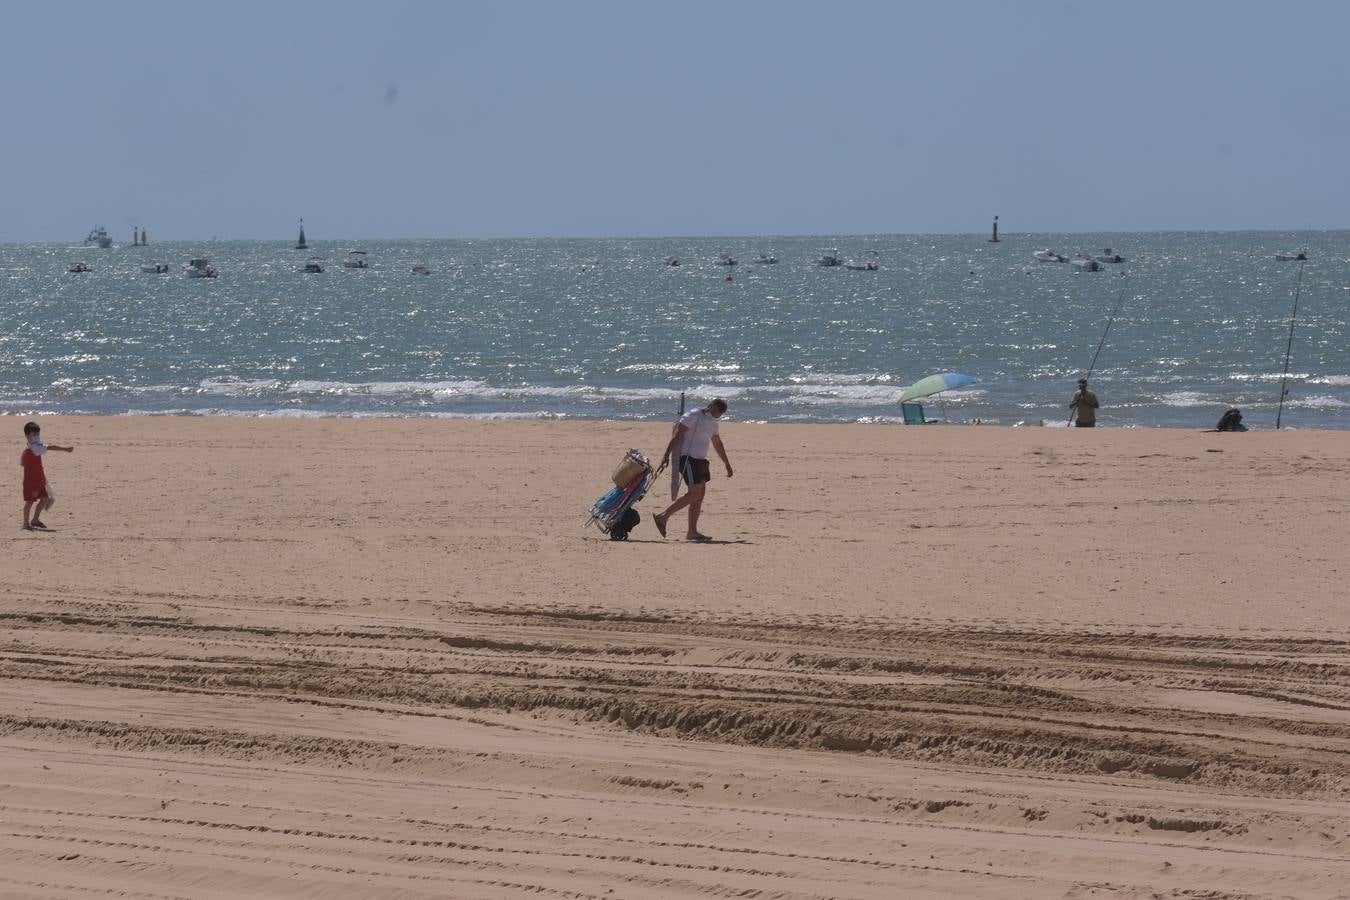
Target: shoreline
[(561, 418)]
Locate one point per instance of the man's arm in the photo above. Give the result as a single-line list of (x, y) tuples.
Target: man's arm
[(675, 439), (722, 452)]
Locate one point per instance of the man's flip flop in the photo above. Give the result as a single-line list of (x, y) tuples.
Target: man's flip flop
[(700, 538), (660, 524)]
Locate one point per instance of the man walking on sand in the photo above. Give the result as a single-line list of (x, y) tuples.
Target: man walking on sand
[(696, 431), (1084, 405)]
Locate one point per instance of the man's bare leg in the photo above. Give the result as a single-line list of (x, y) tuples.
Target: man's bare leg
[(692, 498), (695, 510)]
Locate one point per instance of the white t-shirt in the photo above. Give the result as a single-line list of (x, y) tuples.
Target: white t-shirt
[(702, 426), (37, 446)]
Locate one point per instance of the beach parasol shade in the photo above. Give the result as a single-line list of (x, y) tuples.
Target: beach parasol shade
[(935, 384)]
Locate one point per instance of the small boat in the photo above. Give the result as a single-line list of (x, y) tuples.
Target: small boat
[(99, 236), (1048, 255), (1086, 263), (300, 244), (1290, 256), (765, 260), (726, 260), (1109, 256), (672, 260), (356, 259), (79, 268), (200, 267), (830, 259), (313, 266), (156, 268), (870, 264), (421, 269)]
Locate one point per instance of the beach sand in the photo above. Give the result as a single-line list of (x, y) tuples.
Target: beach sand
[(383, 658)]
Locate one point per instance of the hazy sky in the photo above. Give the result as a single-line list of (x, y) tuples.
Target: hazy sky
[(500, 118)]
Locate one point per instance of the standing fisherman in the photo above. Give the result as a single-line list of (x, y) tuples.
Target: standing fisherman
[(696, 431), (1084, 405)]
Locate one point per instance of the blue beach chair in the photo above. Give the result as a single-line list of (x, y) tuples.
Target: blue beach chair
[(913, 413)]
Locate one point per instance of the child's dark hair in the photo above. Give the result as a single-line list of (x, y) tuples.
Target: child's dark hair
[(31, 428)]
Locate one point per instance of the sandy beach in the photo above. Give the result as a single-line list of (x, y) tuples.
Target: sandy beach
[(348, 658)]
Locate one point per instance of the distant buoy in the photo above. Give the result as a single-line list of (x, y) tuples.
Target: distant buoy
[(729, 278)]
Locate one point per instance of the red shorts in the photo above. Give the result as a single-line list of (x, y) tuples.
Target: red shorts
[(32, 493)]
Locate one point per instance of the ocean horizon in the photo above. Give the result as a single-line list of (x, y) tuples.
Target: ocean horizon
[(603, 328)]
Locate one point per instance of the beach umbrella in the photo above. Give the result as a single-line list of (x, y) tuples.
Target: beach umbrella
[(936, 384)]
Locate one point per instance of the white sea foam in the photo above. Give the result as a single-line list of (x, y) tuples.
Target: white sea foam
[(1317, 402), (1186, 398), (321, 414)]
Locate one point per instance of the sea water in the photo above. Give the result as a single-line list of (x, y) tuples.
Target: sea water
[(604, 328)]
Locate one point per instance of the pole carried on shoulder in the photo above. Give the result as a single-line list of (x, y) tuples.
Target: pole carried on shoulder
[(1289, 348)]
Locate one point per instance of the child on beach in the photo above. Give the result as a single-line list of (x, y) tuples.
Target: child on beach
[(36, 491)]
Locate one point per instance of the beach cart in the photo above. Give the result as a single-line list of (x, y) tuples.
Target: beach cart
[(613, 513)]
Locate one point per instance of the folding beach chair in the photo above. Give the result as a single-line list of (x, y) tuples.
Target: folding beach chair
[(913, 413)]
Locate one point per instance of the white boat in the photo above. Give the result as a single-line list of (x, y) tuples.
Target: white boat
[(313, 266), (79, 268), (830, 259), (870, 264), (156, 268), (672, 260), (766, 260), (99, 237), (726, 259), (356, 259), (199, 267), (1047, 255), (1086, 263), (1290, 256), (421, 269), (1109, 256)]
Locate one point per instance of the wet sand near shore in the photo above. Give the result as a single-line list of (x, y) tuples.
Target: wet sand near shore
[(355, 658)]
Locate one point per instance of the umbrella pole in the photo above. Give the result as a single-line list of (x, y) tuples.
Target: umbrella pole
[(943, 404)]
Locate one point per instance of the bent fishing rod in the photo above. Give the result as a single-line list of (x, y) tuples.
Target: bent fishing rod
[(1111, 319)]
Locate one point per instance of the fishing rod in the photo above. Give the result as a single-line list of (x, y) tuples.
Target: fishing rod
[(1290, 346), (1110, 320)]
